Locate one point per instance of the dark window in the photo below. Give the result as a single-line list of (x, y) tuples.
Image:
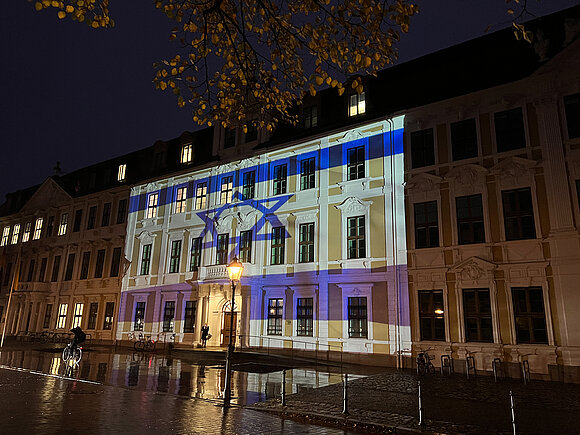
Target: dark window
[(422, 148), (175, 256), (100, 263), (509, 130), (106, 214), (249, 180), (278, 243), (145, 259), (195, 259), (122, 211), (355, 165), (139, 316), (93, 311), (464, 139), (42, 270), (230, 138), (92, 217), (115, 262), (246, 246), (280, 174), (355, 239), (189, 317), (275, 309), (572, 109), (50, 226), (8, 273), (70, 265), (47, 316), (55, 269), (77, 222), (304, 317), (223, 242), (431, 315), (518, 214), (310, 116), (31, 270), (21, 272), (85, 265), (530, 317), (307, 171), (357, 317), (470, 219), (168, 316), (109, 316), (477, 313), (426, 225), (251, 133), (306, 243)]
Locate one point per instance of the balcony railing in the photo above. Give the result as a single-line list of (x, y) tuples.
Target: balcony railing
[(219, 271)]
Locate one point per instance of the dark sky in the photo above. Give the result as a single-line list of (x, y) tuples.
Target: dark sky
[(80, 96)]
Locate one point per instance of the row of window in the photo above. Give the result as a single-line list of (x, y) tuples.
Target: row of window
[(189, 315), (509, 134), (77, 319), (528, 308)]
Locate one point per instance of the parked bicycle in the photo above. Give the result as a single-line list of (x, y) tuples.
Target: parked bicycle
[(424, 364), (72, 353), (144, 344)]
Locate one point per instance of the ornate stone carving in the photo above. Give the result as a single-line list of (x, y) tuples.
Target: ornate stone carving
[(223, 224), (352, 205), (473, 269), (152, 187), (514, 171), (246, 221), (350, 136), (467, 177), (423, 183), (146, 237)]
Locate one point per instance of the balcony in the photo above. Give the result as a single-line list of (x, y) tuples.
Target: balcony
[(219, 271)]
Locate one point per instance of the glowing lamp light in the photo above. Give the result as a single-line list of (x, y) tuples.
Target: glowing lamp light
[(439, 311), (235, 269)]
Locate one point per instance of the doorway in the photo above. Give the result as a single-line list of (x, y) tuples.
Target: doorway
[(226, 328)]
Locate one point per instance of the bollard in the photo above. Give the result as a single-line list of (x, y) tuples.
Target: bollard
[(512, 407), (421, 422), (345, 395), (284, 387)]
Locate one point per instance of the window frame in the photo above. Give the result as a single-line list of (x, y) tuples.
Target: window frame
[(477, 315), (518, 215), (471, 221), (61, 316), (152, 204), (308, 245), (174, 256), (359, 253), (168, 324), (222, 248), (305, 317), (122, 172), (189, 317), (201, 193), (139, 316), (275, 319), (459, 140), (145, 259), (27, 231), (92, 218), (248, 185), (355, 310), (432, 315), (280, 179), (308, 173), (423, 154), (356, 166), (100, 263), (38, 228), (427, 226), (245, 246), (186, 153), (93, 314), (180, 200), (500, 145), (109, 316), (356, 104), (530, 315), (63, 226), (195, 253), (277, 250)]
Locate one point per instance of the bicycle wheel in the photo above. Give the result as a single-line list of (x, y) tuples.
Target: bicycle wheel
[(139, 346), (430, 368), (66, 354), (78, 354)]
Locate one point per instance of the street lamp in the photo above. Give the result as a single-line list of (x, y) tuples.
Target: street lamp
[(235, 269)]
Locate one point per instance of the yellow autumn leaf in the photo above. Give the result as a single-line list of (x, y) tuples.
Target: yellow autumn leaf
[(38, 6), (319, 80), (61, 14), (69, 9)]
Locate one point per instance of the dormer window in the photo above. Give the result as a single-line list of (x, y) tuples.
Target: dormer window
[(310, 116), (186, 153), (27, 230), (15, 234), (63, 224), (356, 104), (230, 138), (251, 133), (5, 236), (121, 172)]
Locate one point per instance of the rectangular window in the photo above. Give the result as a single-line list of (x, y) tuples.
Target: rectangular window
[(186, 153), (100, 263), (180, 199), (115, 262), (310, 116), (85, 265), (189, 316), (21, 272), (246, 246), (307, 172), (230, 138), (477, 313), (27, 231), (275, 309), (304, 317), (201, 196), (175, 257), (572, 109), (251, 133), (146, 259), (93, 311), (280, 174), (356, 104), (518, 214), (15, 234), (37, 229), (470, 227), (530, 316), (70, 264), (122, 211), (47, 316), (106, 218), (422, 148), (249, 185), (227, 190), (31, 270), (61, 321), (168, 316), (55, 269), (431, 315), (355, 166), (50, 226), (306, 243), (222, 249), (195, 257), (278, 244), (77, 222), (464, 139), (357, 317), (151, 211), (78, 315), (122, 172), (139, 316), (109, 316), (509, 130), (42, 270), (426, 225), (5, 236), (355, 240), (63, 224), (91, 221)]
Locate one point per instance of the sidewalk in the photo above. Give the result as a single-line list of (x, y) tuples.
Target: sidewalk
[(388, 403)]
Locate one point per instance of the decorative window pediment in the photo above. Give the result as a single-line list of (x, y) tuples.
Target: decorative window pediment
[(467, 178), (353, 206), (515, 171), (473, 269), (146, 237)]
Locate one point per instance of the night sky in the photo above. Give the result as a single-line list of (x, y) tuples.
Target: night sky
[(81, 96)]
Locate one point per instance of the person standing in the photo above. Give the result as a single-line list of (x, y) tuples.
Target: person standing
[(204, 334)]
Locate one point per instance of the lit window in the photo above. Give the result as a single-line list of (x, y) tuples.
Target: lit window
[(152, 206), (356, 104), (62, 309), (5, 236), (15, 234), (63, 224), (186, 153), (109, 313), (180, 198), (121, 173), (227, 190), (27, 230), (78, 317), (275, 311), (37, 229), (201, 196), (139, 316)]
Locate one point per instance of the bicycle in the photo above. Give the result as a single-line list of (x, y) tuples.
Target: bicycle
[(424, 364), (72, 354), (144, 344)]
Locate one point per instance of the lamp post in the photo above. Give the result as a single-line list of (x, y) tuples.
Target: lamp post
[(235, 269)]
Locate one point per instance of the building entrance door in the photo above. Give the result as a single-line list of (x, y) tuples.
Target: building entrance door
[(226, 328)]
